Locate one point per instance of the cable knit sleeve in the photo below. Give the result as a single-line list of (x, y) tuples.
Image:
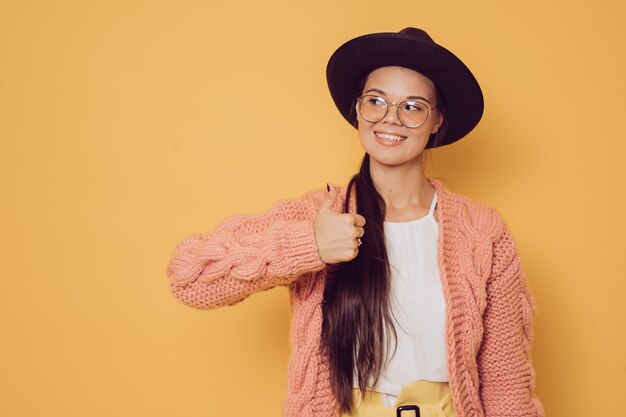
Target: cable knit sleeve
[(505, 371), (247, 253)]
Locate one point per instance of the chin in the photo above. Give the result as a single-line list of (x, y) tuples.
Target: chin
[(387, 159), (394, 156)]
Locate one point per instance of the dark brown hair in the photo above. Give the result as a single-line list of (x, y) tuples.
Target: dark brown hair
[(356, 307)]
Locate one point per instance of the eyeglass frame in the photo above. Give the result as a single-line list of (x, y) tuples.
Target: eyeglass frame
[(389, 104)]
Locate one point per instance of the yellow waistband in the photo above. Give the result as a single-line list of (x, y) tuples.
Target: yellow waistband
[(433, 398)]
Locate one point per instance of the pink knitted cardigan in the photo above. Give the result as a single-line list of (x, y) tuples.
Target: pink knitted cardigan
[(489, 308)]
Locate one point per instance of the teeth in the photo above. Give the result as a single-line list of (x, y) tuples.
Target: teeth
[(391, 137)]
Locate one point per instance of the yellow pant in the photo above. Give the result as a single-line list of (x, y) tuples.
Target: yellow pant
[(432, 398)]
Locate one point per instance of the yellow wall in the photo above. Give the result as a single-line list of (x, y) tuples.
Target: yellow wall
[(122, 132)]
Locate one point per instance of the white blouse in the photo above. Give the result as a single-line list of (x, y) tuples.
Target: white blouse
[(417, 306)]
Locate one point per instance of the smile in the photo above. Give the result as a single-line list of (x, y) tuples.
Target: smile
[(387, 136)]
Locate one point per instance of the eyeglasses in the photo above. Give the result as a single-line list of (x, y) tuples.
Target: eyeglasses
[(411, 114)]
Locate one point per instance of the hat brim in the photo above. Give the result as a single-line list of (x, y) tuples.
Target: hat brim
[(454, 80)]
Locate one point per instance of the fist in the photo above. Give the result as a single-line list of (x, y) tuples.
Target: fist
[(337, 234)]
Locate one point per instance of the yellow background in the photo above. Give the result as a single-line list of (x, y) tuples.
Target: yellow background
[(124, 127)]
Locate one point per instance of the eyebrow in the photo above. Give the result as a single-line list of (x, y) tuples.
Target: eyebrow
[(376, 90)]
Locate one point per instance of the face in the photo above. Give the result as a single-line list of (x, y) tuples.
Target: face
[(397, 84)]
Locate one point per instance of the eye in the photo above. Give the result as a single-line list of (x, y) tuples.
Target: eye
[(375, 101), (414, 107)]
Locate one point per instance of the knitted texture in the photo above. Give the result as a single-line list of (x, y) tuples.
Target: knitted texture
[(489, 308)]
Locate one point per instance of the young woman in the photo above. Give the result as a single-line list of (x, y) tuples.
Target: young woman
[(405, 296)]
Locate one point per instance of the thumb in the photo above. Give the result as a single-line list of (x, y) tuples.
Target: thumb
[(331, 198)]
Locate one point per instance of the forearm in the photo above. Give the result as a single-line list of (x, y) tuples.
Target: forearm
[(246, 254)]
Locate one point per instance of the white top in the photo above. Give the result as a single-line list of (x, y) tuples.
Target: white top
[(417, 306)]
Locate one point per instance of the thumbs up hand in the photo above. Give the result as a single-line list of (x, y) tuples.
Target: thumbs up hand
[(337, 234)]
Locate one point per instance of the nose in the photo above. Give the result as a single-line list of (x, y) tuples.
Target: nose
[(392, 114)]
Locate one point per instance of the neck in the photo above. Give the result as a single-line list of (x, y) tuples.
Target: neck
[(402, 185)]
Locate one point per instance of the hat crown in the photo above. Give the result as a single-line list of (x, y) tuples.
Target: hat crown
[(417, 33)]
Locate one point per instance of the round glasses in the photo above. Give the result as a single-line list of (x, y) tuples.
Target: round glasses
[(411, 114)]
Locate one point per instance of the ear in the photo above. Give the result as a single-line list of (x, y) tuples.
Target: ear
[(438, 122)]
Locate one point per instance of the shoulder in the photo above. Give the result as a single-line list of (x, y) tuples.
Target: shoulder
[(469, 215), (482, 228)]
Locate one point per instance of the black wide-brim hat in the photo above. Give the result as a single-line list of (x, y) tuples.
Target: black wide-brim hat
[(411, 48)]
